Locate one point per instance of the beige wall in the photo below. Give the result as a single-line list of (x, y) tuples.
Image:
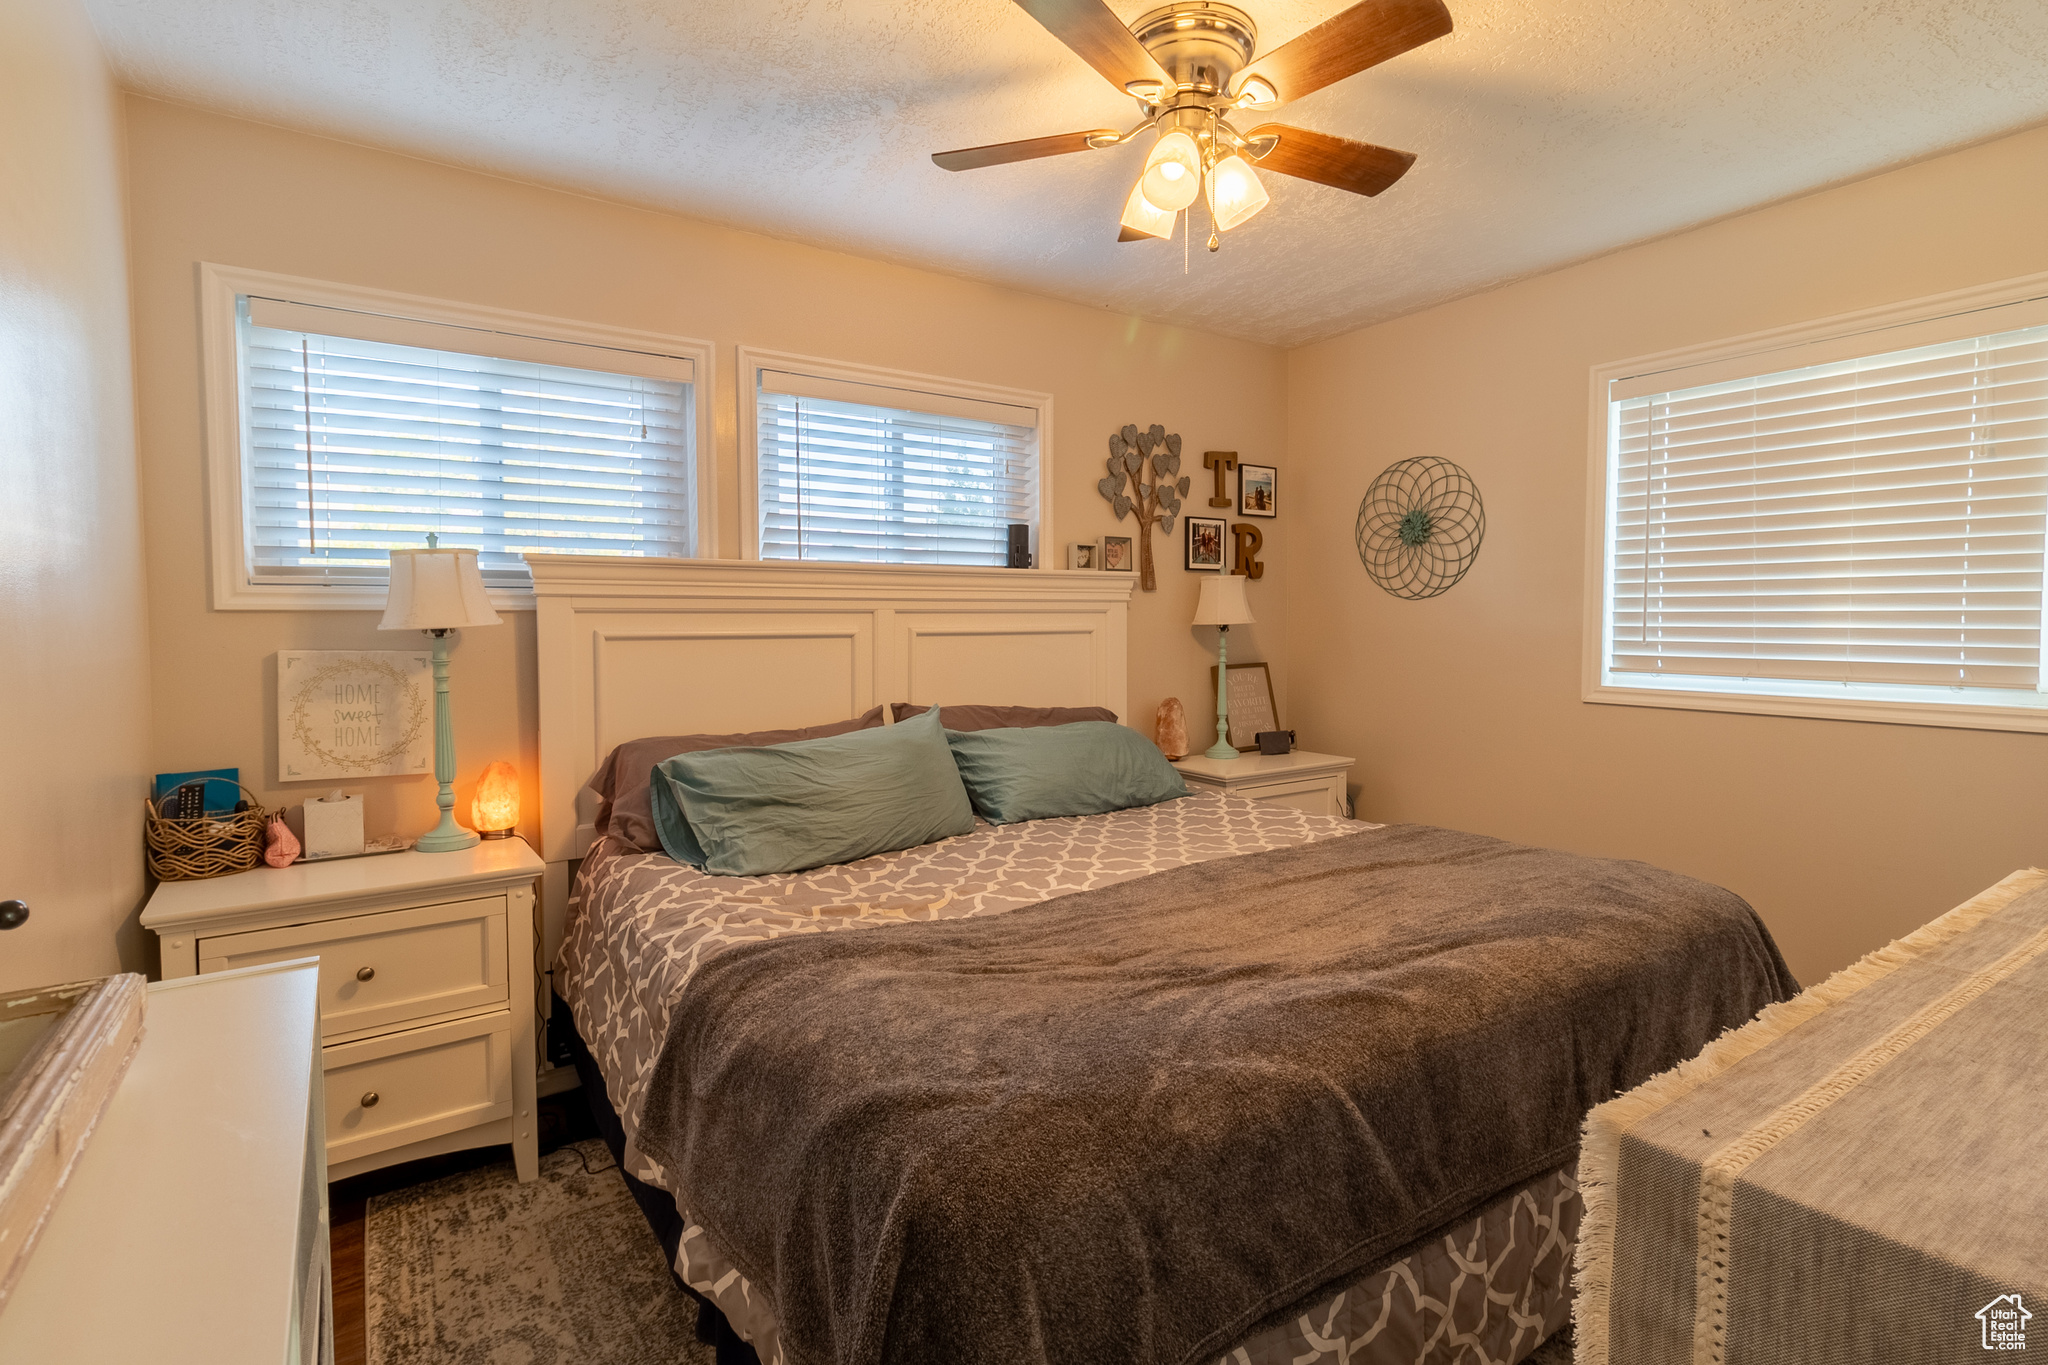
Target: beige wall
[(207, 188), (74, 713), (1465, 710)]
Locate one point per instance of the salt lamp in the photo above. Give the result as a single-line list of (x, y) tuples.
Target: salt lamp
[(1172, 728), (495, 809)]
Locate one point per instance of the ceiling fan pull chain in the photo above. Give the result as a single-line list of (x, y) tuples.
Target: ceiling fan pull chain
[(1186, 228)]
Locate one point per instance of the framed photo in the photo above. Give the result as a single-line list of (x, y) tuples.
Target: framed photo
[(1081, 555), (1116, 554), (1251, 704), (1255, 490), (1205, 543)]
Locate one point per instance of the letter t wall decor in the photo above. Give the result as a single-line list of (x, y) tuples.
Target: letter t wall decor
[(1222, 462), (1130, 453)]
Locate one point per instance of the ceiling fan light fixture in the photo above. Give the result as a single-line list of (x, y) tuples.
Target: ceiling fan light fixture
[(1173, 172), (1192, 65), (1144, 217), (1235, 192)]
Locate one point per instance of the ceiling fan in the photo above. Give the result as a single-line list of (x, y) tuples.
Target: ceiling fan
[(1190, 66)]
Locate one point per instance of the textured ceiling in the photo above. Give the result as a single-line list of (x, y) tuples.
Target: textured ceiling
[(1547, 130)]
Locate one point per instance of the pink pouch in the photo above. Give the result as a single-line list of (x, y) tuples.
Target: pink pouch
[(280, 847)]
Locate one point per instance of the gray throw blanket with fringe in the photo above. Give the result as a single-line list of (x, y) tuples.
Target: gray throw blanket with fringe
[(1140, 1122)]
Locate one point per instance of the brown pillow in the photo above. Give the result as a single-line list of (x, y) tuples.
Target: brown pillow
[(1004, 717), (624, 807)]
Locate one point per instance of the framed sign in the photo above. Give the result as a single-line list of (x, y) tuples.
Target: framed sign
[(354, 713), (1251, 704)]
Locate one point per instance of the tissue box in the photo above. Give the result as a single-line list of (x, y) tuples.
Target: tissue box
[(328, 828)]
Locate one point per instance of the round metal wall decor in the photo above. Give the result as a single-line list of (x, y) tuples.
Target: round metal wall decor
[(1419, 527)]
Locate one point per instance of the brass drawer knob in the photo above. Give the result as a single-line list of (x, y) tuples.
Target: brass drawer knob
[(366, 974), (369, 1099)]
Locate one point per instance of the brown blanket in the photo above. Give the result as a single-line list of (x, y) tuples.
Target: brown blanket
[(1134, 1123)]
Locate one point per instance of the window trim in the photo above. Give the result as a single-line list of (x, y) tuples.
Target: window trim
[(1870, 322), (754, 359), (227, 542)]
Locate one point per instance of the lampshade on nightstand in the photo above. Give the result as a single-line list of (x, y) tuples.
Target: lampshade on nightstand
[(438, 591), (1223, 604)]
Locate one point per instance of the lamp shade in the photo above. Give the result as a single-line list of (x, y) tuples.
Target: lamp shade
[(436, 589), (1143, 219), (1235, 193), (1223, 602), (1173, 172)]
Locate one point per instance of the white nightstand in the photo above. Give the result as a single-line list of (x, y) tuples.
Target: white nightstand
[(1310, 782), (427, 998)]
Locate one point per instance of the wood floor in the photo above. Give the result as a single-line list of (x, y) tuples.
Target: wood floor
[(563, 1118)]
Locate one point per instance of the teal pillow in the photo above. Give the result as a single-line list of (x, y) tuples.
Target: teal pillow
[(787, 807), (1086, 768)]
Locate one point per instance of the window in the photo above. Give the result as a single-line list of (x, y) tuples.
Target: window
[(912, 471), (1859, 536), (360, 429)]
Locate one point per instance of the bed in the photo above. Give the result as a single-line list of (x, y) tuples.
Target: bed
[(783, 1061)]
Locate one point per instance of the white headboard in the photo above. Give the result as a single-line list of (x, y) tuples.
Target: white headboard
[(637, 647)]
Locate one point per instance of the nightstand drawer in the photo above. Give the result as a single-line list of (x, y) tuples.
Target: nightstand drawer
[(398, 967), (1316, 795), (405, 1087)]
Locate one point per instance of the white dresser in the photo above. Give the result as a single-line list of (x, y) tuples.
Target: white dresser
[(1306, 781), (427, 988), (194, 1227)]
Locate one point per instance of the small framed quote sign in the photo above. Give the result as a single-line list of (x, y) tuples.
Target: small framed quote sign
[(354, 713), (1251, 704)]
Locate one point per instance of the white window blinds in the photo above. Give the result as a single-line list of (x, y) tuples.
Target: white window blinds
[(364, 432), (864, 472), (1871, 523)]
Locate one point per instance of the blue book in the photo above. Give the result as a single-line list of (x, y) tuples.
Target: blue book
[(222, 791)]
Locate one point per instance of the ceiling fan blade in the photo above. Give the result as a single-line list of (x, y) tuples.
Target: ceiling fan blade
[(999, 153), (1098, 38), (1358, 167), (1345, 44)]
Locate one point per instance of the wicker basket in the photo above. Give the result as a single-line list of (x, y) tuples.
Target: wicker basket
[(201, 846)]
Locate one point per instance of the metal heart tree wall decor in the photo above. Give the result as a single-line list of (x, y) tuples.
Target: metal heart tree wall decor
[(1131, 453)]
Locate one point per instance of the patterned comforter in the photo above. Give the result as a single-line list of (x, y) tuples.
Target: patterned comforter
[(641, 923), (1485, 1291)]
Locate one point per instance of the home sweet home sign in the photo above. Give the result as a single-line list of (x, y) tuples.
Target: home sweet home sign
[(345, 714)]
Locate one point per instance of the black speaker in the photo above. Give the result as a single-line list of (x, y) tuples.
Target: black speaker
[(1020, 545)]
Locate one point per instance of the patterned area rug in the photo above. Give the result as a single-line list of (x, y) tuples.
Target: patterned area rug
[(478, 1269)]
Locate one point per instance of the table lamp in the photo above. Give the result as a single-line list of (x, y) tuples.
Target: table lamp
[(437, 591), (1223, 604)]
